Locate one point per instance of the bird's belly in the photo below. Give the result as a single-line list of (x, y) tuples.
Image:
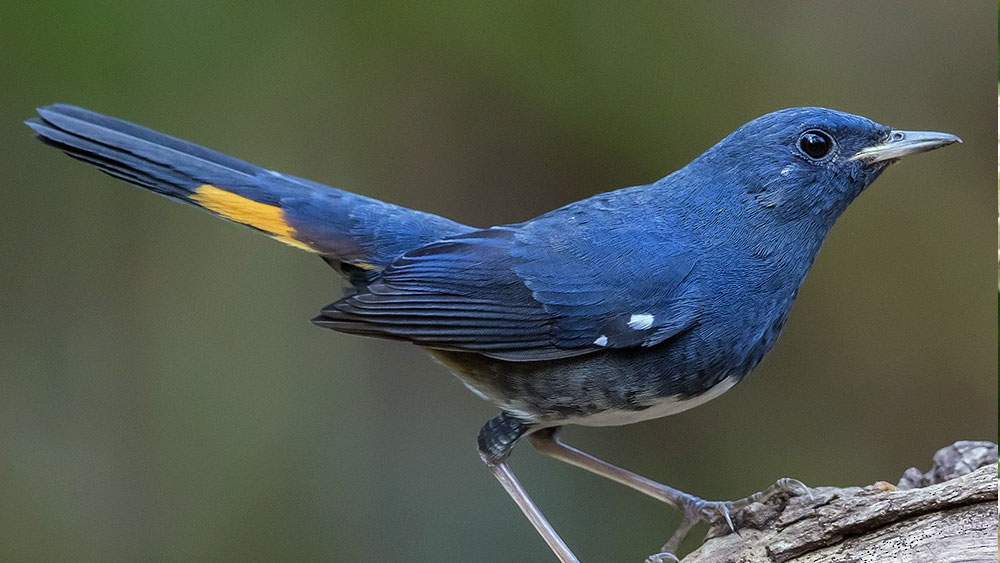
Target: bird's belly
[(615, 388), (665, 406)]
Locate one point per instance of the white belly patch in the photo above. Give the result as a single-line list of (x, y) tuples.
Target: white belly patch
[(664, 407)]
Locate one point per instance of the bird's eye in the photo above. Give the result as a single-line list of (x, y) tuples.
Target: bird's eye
[(815, 144)]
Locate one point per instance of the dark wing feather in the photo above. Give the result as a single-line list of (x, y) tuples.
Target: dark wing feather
[(526, 292), (458, 294)]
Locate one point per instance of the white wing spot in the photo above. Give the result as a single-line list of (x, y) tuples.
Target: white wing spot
[(786, 171), (640, 322), (602, 340), (275, 174)]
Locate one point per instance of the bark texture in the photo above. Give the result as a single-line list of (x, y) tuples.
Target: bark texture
[(946, 515)]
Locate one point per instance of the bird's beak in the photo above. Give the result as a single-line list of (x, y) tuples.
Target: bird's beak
[(901, 143)]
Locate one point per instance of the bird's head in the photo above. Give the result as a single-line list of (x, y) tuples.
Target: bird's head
[(811, 161)]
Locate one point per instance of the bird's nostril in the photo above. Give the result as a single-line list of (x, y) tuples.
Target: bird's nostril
[(898, 136)]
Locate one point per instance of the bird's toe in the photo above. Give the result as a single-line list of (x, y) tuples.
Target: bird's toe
[(662, 557)]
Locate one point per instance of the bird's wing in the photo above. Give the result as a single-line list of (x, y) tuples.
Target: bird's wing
[(527, 292)]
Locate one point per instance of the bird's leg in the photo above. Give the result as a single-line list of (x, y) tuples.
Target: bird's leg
[(496, 439), (692, 508), (547, 442)]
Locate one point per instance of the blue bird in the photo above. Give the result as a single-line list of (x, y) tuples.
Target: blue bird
[(629, 305)]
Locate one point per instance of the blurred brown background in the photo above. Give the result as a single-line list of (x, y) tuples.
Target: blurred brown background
[(164, 397)]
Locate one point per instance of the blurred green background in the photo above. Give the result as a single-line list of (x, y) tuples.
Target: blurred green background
[(164, 396)]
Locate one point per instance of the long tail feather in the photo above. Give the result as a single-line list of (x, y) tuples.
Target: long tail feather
[(343, 227)]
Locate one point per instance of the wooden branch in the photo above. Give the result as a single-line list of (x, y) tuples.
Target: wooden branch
[(948, 514)]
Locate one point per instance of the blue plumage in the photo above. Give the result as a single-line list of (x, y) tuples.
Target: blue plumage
[(687, 279), (625, 306), (565, 282), (346, 228), (723, 243)]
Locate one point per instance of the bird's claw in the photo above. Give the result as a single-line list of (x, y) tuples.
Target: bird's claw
[(722, 508), (706, 511), (794, 487), (662, 557)]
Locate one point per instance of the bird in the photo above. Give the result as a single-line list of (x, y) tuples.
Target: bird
[(626, 306)]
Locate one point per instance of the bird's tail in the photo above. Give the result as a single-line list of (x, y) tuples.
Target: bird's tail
[(343, 227)]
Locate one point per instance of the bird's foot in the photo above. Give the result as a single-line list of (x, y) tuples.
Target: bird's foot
[(697, 510)]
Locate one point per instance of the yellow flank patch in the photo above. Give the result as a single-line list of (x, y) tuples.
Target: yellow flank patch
[(267, 218)]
